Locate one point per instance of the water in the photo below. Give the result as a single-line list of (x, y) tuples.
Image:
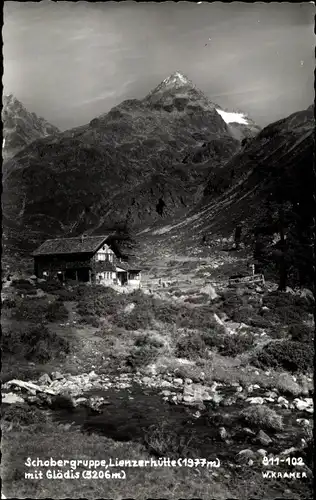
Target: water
[(147, 415)]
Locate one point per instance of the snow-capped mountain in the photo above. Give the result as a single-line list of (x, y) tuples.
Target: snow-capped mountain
[(21, 127)]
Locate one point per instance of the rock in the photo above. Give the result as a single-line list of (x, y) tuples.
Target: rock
[(289, 290), (81, 400), (262, 452), (148, 380), (264, 438), (265, 308), (248, 431), (256, 386), (129, 308), (45, 379), (305, 404), (270, 394), (303, 422), (283, 402), (188, 381), (93, 376), (250, 462), (245, 455), (223, 433), (250, 388), (228, 401), (256, 401), (165, 383), (239, 389), (196, 393), (210, 291), (289, 451), (166, 393), (56, 376), (11, 398), (178, 381)]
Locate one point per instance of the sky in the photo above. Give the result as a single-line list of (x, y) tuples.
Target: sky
[(72, 61)]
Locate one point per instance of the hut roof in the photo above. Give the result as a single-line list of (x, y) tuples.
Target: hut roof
[(86, 244)]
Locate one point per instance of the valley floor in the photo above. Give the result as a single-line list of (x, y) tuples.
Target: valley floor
[(186, 368)]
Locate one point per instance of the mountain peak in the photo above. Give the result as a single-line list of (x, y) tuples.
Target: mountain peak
[(173, 83), (177, 79)]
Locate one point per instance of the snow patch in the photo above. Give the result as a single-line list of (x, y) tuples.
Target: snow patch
[(232, 117)]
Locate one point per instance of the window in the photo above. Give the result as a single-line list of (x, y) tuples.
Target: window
[(101, 256)]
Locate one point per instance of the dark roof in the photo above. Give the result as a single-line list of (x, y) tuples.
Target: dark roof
[(128, 266), (87, 244)]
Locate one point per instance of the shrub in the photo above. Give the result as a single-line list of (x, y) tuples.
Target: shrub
[(23, 285), (262, 416), (301, 333), (39, 310), (141, 356), (9, 303), (138, 319), (164, 440), (23, 415), (200, 299), (229, 345), (191, 346), (145, 340), (291, 356), (166, 312), (200, 318), (34, 343), (56, 311), (287, 308), (100, 301)]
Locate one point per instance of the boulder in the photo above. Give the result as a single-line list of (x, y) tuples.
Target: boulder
[(283, 402), (263, 438), (45, 379), (245, 455), (305, 404), (223, 433), (256, 401), (262, 452), (196, 393), (11, 398)]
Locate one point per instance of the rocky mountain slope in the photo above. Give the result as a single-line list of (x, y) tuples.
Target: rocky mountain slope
[(20, 127), (274, 167), (142, 160)]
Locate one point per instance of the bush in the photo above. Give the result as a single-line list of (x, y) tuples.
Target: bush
[(166, 312), (191, 346), (138, 319), (200, 318), (291, 356), (22, 285), (35, 311), (9, 304), (164, 440), (23, 415), (229, 345), (100, 301), (141, 356), (261, 416), (287, 308), (147, 340), (200, 299), (301, 333), (35, 343)]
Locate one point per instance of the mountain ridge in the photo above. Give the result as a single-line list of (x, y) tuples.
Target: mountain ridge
[(21, 127)]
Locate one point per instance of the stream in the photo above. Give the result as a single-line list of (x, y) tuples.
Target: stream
[(135, 413)]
